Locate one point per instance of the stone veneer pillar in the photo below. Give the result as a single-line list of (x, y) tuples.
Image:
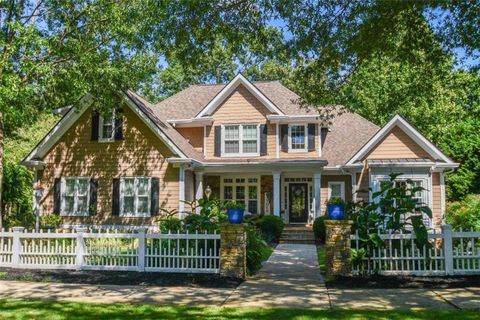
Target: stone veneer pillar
[(338, 248), (233, 251)]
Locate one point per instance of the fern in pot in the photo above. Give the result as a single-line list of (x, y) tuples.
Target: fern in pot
[(235, 211), (336, 208)]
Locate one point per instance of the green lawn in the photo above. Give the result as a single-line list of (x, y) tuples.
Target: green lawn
[(321, 258), (36, 309)]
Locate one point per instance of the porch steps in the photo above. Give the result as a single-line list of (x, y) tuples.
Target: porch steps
[(301, 234)]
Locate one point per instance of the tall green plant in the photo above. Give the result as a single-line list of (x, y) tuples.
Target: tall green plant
[(392, 208)]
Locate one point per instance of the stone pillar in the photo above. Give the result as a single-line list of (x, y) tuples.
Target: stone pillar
[(233, 251), (337, 247)]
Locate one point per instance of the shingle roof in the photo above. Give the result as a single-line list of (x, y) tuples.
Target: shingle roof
[(165, 127), (348, 131), (189, 102)]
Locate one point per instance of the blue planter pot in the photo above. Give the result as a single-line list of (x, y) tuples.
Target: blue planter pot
[(336, 211), (235, 216)]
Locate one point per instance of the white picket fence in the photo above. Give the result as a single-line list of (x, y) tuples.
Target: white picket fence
[(451, 253), (136, 251)]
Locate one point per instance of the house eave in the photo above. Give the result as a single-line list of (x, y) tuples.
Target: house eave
[(189, 123), (283, 119)]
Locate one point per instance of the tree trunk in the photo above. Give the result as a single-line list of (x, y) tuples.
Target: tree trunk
[(1, 169)]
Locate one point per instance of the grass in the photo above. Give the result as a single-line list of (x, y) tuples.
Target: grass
[(54, 310), (322, 260)]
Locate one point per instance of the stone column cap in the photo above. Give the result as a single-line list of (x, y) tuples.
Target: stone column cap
[(338, 223)]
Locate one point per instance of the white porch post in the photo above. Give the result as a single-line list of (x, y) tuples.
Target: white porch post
[(198, 188), (276, 193), (317, 179), (354, 186), (181, 191)]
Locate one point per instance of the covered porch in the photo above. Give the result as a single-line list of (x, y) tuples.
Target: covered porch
[(297, 192)]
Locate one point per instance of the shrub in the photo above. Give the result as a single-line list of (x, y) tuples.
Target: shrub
[(198, 222), (170, 224), (465, 214), (50, 221), (271, 227), (319, 228), (257, 249), (336, 201)]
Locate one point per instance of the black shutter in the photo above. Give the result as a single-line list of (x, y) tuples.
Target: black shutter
[(218, 141), (92, 206), (284, 134), (311, 137), (95, 123), (116, 197), (119, 124), (324, 133), (154, 199), (57, 195), (263, 139)]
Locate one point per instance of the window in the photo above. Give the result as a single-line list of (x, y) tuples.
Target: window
[(420, 196), (135, 197), (336, 189), (75, 196), (297, 138), (240, 139), (107, 128), (242, 190)]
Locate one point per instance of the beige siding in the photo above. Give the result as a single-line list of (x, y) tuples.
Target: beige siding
[(397, 144), (141, 153), (362, 184), (194, 136), (437, 200), (346, 179), (242, 107)]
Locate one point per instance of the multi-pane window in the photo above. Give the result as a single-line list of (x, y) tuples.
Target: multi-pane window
[(135, 196), (75, 196), (107, 127), (240, 139), (421, 197), (336, 189), (244, 191), (298, 138)]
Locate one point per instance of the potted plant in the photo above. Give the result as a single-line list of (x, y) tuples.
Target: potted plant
[(336, 208), (235, 212)]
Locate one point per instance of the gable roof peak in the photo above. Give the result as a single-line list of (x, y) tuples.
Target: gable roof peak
[(238, 80)]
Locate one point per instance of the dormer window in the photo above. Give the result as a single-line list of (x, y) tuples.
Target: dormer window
[(298, 138), (240, 139), (106, 128)]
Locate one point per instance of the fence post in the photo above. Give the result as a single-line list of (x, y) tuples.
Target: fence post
[(81, 247), (141, 249), (16, 246), (233, 251), (448, 249)]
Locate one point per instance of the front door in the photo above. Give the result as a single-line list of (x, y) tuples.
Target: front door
[(298, 202)]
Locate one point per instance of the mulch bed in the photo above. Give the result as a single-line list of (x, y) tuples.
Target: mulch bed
[(390, 282), (120, 278)]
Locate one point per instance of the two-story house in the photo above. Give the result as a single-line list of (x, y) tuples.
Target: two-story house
[(250, 142)]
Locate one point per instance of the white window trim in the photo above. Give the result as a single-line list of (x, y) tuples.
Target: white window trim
[(240, 140), (342, 189), (305, 149), (101, 122), (426, 178), (246, 184), (75, 199), (135, 199)]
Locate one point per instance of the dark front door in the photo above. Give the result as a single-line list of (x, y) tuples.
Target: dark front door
[(298, 202)]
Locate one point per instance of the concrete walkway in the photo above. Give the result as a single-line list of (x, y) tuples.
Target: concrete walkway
[(290, 278)]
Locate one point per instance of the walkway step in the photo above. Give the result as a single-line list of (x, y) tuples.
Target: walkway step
[(297, 234)]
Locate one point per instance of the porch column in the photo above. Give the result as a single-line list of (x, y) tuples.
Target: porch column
[(276, 193), (317, 179), (198, 188), (181, 191), (354, 186)]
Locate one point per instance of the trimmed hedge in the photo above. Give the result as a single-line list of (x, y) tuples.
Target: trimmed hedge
[(319, 228), (271, 227)]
